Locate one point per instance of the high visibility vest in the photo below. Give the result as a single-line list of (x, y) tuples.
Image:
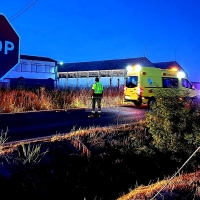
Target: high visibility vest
[(98, 88)]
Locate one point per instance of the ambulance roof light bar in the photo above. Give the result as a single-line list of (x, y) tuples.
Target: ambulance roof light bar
[(137, 67), (174, 69), (128, 68)]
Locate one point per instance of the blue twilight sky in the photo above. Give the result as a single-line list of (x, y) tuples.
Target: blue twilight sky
[(90, 30)]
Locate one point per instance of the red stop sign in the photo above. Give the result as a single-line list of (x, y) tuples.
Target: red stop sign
[(9, 47)]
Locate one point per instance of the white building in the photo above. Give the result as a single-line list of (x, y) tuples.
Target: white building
[(32, 72), (36, 71), (111, 72)]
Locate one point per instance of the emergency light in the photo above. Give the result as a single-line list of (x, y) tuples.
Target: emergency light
[(181, 74), (128, 68), (138, 68), (174, 69)]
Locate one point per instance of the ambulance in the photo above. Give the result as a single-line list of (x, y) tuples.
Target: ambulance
[(140, 83)]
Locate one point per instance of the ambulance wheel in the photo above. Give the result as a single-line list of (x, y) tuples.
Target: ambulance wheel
[(138, 102), (151, 102)]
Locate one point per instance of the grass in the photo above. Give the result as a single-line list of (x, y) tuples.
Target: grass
[(93, 163), (108, 163), (184, 186), (13, 101)]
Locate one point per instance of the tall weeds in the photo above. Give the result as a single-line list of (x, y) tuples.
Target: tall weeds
[(3, 139), (13, 101), (30, 154)]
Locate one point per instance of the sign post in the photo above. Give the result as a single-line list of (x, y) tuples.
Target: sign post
[(9, 47)]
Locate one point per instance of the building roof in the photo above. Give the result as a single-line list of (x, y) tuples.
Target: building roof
[(169, 64), (103, 65), (166, 65), (39, 58), (114, 64)]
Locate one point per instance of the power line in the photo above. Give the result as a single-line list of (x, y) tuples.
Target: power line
[(24, 9)]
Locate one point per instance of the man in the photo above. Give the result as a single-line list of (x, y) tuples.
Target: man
[(97, 95)]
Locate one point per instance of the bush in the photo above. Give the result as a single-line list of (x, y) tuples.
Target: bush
[(174, 123)]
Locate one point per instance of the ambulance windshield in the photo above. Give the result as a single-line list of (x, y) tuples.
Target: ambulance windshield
[(131, 81)]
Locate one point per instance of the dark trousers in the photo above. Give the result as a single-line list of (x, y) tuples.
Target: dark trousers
[(96, 100)]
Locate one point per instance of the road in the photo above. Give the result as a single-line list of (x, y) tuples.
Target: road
[(29, 125)]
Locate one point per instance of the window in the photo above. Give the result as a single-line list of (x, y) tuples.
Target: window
[(49, 69), (93, 73), (118, 73), (40, 68), (82, 74), (33, 67), (62, 75), (105, 73), (186, 83), (170, 82), (72, 75), (25, 67), (131, 81)]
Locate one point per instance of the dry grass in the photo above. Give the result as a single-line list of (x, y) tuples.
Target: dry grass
[(179, 186), (94, 163), (13, 101), (88, 164)]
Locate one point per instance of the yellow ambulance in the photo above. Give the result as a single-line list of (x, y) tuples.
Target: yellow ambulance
[(140, 83)]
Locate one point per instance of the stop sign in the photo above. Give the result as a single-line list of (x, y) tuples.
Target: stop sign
[(9, 47)]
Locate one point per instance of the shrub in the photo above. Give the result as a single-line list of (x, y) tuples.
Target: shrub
[(174, 123)]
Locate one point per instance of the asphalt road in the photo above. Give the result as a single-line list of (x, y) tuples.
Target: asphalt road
[(29, 125)]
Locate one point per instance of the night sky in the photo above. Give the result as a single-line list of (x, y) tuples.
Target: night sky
[(91, 30)]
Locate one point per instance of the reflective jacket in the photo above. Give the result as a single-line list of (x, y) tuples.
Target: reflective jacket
[(97, 89)]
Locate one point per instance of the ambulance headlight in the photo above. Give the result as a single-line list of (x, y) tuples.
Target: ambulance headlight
[(181, 75), (138, 68), (128, 68)]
